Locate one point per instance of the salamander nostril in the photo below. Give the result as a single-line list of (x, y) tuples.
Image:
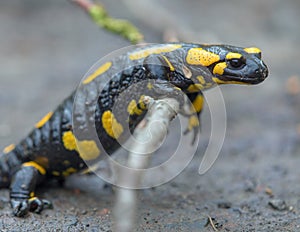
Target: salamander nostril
[(263, 72)]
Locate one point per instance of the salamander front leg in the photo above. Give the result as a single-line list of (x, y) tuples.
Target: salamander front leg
[(196, 105), (22, 197)]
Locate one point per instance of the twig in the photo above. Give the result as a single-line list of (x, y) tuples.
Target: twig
[(100, 16), (212, 223), (125, 210)]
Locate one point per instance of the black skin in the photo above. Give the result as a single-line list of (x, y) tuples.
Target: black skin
[(19, 193), (45, 147)]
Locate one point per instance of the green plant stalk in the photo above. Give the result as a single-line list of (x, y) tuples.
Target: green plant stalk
[(118, 26)]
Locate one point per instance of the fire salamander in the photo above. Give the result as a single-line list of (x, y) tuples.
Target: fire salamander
[(51, 151)]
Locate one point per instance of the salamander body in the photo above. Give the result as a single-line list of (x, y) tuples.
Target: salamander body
[(52, 150)]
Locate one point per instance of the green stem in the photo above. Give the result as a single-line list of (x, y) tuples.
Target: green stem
[(121, 27)]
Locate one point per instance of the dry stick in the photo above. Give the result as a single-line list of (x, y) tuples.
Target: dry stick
[(212, 223), (162, 111)]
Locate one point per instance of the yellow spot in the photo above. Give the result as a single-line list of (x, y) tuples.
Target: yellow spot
[(198, 103), (87, 149), (233, 55), (252, 50), (133, 109), (193, 122), (41, 160), (149, 86), (110, 124), (195, 88), (44, 120), (198, 56), (201, 79), (65, 173), (32, 199), (154, 50), (36, 166), (55, 173), (218, 81), (169, 64), (66, 162), (9, 148), (69, 141), (69, 171), (208, 85), (219, 68), (142, 103), (102, 69)]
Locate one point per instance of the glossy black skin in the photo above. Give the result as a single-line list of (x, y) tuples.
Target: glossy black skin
[(45, 147)]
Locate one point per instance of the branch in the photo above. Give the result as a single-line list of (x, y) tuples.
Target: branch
[(118, 26), (125, 210)]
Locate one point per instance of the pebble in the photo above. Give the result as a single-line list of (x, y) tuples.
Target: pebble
[(278, 204), (224, 204)]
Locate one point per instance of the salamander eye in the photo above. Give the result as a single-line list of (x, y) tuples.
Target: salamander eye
[(236, 63)]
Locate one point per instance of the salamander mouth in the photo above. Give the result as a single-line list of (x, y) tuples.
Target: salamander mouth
[(241, 79), (252, 79)]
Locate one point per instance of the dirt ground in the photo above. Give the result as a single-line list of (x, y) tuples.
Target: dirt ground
[(47, 46)]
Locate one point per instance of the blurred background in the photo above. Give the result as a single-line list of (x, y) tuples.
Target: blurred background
[(47, 46)]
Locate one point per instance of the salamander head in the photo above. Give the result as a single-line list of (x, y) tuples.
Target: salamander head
[(238, 65)]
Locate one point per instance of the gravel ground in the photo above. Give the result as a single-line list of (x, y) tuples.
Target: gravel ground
[(47, 46)]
